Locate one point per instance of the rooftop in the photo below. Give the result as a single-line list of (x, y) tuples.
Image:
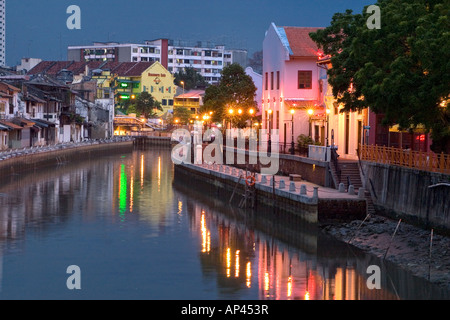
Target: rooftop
[(298, 42)]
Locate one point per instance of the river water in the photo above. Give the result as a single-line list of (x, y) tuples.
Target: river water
[(136, 232)]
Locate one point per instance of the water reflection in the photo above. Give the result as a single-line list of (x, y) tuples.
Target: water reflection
[(286, 259), (139, 233)]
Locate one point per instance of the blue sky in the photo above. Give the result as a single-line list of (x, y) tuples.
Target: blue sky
[(38, 28)]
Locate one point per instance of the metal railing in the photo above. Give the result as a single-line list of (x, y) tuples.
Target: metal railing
[(426, 161)]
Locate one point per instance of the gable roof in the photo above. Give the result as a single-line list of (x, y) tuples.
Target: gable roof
[(123, 69), (297, 41)]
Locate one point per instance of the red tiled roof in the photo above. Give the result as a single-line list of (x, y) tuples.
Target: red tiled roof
[(192, 94), (124, 69), (300, 42), (40, 67), (138, 69), (57, 67), (11, 125)]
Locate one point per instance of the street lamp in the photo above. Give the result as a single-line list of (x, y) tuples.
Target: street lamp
[(292, 129), (182, 83), (328, 118), (230, 112), (310, 113)]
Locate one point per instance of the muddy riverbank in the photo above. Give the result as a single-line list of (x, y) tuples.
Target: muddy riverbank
[(409, 248)]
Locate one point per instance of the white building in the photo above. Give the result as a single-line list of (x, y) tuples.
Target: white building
[(292, 80), (27, 64), (2, 33), (206, 58), (258, 81)]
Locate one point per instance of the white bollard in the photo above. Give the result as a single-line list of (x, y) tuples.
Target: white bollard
[(341, 187), (351, 190), (303, 189), (316, 193), (292, 186), (263, 179), (282, 184)]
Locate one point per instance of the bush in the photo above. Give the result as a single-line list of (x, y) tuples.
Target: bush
[(304, 141)]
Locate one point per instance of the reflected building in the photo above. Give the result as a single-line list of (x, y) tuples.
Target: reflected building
[(241, 258), (142, 187)]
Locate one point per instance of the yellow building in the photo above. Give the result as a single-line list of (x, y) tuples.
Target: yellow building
[(126, 80), (159, 82), (192, 100)]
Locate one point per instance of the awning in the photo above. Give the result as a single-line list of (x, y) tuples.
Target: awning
[(10, 125), (302, 104), (3, 128), (43, 124), (23, 121)]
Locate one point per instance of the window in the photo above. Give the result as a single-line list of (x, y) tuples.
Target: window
[(267, 81), (271, 81), (164, 102), (278, 80), (305, 79)]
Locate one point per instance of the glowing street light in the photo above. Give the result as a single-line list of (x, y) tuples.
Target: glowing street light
[(328, 118)]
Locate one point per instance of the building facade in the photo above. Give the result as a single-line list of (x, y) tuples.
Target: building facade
[(207, 59), (292, 81), (258, 81)]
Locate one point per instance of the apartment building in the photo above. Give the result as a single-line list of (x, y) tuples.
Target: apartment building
[(208, 59)]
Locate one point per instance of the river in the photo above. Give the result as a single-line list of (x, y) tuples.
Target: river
[(135, 232)]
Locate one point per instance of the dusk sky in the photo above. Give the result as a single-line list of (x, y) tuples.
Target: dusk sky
[(38, 29)]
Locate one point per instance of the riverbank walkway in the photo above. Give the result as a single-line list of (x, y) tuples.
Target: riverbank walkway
[(13, 153), (287, 184)]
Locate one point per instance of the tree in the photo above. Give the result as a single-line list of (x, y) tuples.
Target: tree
[(146, 105), (235, 90), (401, 70), (191, 78), (183, 114)]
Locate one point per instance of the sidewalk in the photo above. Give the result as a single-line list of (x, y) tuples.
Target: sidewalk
[(323, 192)]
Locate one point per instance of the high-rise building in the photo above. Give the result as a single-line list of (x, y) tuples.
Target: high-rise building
[(2, 33), (208, 59)]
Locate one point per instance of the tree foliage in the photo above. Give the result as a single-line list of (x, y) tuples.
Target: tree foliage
[(146, 105), (191, 78), (183, 114), (235, 90), (401, 70)]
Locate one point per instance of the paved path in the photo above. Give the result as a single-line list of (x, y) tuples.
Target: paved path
[(323, 192)]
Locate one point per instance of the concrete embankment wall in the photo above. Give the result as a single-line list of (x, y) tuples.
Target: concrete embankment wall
[(417, 196), (298, 206), (51, 158), (311, 170)]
